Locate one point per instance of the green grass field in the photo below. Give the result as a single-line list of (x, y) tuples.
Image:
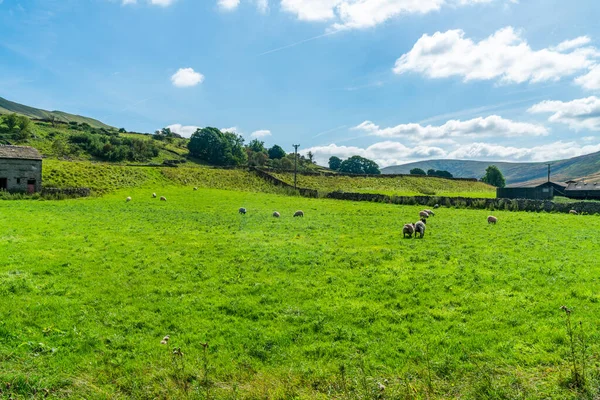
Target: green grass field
[(324, 307), (402, 186)]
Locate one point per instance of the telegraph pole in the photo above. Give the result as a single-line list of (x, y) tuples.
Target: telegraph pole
[(295, 163)]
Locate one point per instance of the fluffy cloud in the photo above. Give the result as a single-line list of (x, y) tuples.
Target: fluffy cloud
[(228, 5), (478, 127), (185, 131), (233, 129), (383, 153), (260, 134), (503, 56), (591, 80), (187, 77), (393, 153), (360, 14), (577, 114)]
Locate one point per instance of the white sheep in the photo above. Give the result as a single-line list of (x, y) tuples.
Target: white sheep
[(423, 214), (429, 212), (419, 229), (408, 229), (573, 212), (153, 195), (276, 214), (128, 199), (299, 214), (436, 206), (195, 188), (492, 220), (242, 210), (163, 198)]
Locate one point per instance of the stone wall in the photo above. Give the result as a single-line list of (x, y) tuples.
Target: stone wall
[(19, 172), (69, 192)]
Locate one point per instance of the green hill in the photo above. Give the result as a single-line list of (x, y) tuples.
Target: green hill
[(9, 107), (582, 167)]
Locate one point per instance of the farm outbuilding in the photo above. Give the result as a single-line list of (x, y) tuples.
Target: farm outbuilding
[(583, 190), (20, 169), (545, 191)]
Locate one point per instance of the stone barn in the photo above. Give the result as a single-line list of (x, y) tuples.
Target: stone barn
[(20, 169)]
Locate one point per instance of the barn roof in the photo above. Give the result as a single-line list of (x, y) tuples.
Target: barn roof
[(19, 153), (583, 186)]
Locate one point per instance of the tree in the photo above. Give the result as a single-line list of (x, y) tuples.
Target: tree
[(311, 157), (215, 147), (494, 177), (359, 165), (276, 153), (417, 171), (439, 173), (335, 163), (11, 121), (257, 146)]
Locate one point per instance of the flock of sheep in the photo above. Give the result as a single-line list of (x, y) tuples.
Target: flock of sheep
[(418, 228), (275, 214)]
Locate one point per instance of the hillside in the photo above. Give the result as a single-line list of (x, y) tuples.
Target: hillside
[(9, 107), (400, 186), (586, 166)]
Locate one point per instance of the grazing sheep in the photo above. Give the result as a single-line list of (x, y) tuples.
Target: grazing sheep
[(492, 220), (436, 206), (242, 210), (573, 212), (276, 214), (153, 195), (429, 212), (424, 214), (408, 229), (299, 214), (163, 198), (128, 199), (419, 229), (195, 188)]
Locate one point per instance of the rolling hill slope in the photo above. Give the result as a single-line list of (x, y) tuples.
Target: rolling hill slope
[(9, 107), (586, 166)]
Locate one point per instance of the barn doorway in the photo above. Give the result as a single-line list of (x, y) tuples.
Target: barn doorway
[(3, 183), (31, 186)]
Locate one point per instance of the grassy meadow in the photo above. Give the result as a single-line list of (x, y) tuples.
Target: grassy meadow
[(330, 306), (400, 186)]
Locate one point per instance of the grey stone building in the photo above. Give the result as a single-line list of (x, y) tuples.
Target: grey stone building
[(20, 169)]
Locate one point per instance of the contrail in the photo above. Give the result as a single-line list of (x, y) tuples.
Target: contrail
[(297, 43), (329, 131)]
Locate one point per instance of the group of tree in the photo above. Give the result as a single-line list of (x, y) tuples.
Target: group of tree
[(14, 127), (228, 149), (439, 173), (109, 147), (354, 165)]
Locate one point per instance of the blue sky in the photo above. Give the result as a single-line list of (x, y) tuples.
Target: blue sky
[(393, 80)]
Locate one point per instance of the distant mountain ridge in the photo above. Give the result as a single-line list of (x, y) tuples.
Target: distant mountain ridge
[(581, 167), (9, 107)]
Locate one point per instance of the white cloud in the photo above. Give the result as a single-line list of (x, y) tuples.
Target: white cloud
[(185, 131), (577, 114), (591, 80), (228, 5), (260, 134), (186, 77), (478, 127), (360, 14), (393, 153), (547, 152), (572, 44), (503, 56), (383, 153), (233, 129)]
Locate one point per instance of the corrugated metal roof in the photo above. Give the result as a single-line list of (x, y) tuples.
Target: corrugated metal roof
[(583, 186), (19, 152)]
